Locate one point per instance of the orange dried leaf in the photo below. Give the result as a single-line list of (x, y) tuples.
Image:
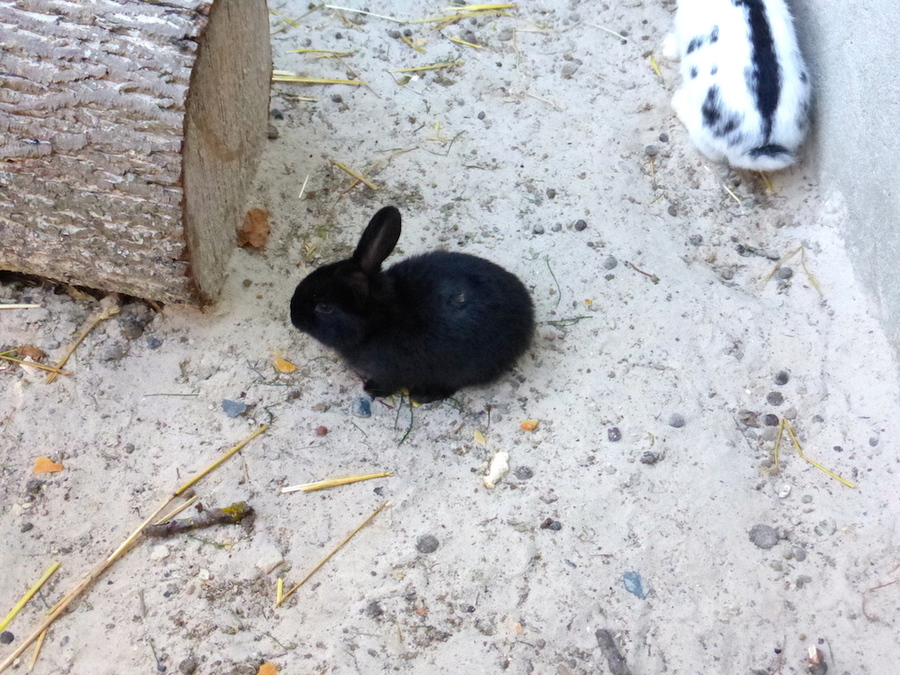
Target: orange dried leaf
[(46, 465), (528, 425), (29, 350), (283, 365), (255, 231), (268, 669)]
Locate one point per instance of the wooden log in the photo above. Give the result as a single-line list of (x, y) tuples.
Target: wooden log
[(129, 132)]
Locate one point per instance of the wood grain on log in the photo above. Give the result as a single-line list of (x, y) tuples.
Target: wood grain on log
[(129, 131)]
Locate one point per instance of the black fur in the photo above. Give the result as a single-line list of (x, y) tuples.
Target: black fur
[(430, 324), (723, 123), (764, 78)]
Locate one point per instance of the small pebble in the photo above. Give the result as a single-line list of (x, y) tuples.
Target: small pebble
[(803, 580), (695, 239), (676, 420), (784, 273), (485, 627), (580, 225), (160, 668), (340, 36), (550, 524), (557, 227), (781, 378), (806, 499), (374, 609), (321, 431), (634, 584), (673, 211), (470, 609), (481, 115), (825, 528), (614, 434), (6, 638), (784, 491), (188, 666), (873, 441), (650, 457), (775, 398), (727, 274), (818, 419), (233, 408), (664, 137), (26, 527), (427, 544), (154, 343), (273, 131), (770, 420), (33, 486), (799, 554), (538, 229), (394, 34), (763, 536), (276, 114), (362, 407), (610, 262), (789, 414), (551, 193), (129, 448), (407, 32), (569, 69), (506, 35), (651, 151), (523, 473), (160, 552)]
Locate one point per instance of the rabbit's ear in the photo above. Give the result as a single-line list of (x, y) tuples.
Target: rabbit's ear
[(378, 240)]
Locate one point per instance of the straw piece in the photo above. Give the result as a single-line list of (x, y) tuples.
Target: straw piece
[(434, 66), (40, 366), (467, 44), (107, 313), (334, 482), (37, 651), (279, 591), (357, 176), (336, 549), (412, 44), (361, 11), (467, 9), (19, 306), (815, 464), (282, 76), (188, 504), (320, 51), (30, 594), (224, 458)]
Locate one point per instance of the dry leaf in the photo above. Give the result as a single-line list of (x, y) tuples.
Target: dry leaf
[(268, 669), (479, 437), (528, 425), (255, 231), (46, 465), (283, 365), (29, 350)]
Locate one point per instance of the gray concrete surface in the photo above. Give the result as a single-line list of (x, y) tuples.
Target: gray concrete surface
[(855, 143)]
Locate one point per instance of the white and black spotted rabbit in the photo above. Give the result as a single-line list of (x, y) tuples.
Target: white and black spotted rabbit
[(745, 91), (430, 324)]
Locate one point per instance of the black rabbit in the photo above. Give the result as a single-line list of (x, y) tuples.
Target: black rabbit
[(431, 324)]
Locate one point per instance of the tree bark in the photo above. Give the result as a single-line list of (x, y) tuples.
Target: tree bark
[(129, 131)]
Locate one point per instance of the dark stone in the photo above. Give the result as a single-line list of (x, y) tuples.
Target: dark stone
[(427, 544), (523, 473), (775, 398), (580, 225), (781, 378), (614, 434)]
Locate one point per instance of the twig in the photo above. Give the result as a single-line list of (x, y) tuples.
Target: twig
[(303, 187), (611, 32), (107, 313), (334, 482), (433, 66), (230, 515), (652, 277), (336, 549)]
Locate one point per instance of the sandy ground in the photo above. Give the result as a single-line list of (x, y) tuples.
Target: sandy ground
[(552, 123)]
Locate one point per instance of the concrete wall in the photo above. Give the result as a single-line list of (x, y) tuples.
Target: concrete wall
[(851, 47)]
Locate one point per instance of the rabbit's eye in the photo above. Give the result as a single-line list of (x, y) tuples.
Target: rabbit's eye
[(324, 308)]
